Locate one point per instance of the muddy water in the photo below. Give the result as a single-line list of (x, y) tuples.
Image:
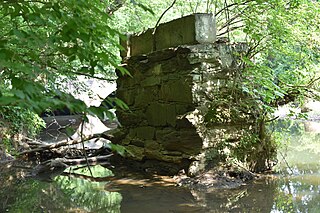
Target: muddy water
[(295, 189)]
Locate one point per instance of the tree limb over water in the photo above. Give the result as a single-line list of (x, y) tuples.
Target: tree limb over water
[(46, 146)]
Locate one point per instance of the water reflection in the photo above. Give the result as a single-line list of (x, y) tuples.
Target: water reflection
[(295, 189), (299, 162), (63, 195), (298, 194)]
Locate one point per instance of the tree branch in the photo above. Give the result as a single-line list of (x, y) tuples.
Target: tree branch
[(157, 24), (231, 5), (230, 22), (230, 29), (66, 143)]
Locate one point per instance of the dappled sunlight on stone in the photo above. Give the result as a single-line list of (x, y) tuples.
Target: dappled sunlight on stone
[(176, 93)]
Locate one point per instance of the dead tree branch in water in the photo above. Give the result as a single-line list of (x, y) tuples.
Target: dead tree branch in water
[(44, 147), (48, 170)]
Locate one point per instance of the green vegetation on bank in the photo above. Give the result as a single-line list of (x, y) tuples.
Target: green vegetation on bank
[(44, 44), (16, 124)]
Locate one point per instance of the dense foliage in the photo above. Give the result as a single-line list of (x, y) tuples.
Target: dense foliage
[(283, 38), (281, 65), (45, 45), (16, 123)]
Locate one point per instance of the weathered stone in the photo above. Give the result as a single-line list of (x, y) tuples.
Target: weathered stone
[(219, 55), (168, 136), (136, 153), (165, 55), (157, 69), (128, 82), (146, 96), (182, 109), (171, 159), (161, 133), (152, 150), (161, 114), (118, 134), (137, 142), (128, 118), (128, 96), (153, 70), (139, 44), (184, 123), (172, 153), (177, 91), (145, 132), (151, 81), (171, 115), (152, 145), (126, 141), (191, 142), (176, 65), (192, 29), (132, 133), (156, 115), (182, 141), (153, 154)]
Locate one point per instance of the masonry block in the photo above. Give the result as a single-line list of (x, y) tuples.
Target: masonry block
[(193, 29), (182, 96)]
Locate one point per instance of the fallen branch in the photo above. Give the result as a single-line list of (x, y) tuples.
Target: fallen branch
[(89, 161), (48, 170), (66, 143)]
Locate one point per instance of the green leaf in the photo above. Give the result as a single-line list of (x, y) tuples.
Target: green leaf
[(121, 104)]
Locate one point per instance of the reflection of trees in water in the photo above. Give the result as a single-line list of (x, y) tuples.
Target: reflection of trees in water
[(33, 196), (281, 195), (255, 197), (299, 150), (300, 192), (297, 196), (63, 195), (292, 194), (90, 196)]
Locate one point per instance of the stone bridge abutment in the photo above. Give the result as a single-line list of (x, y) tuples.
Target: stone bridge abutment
[(183, 97)]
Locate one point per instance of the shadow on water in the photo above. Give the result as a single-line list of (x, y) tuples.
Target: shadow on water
[(295, 189)]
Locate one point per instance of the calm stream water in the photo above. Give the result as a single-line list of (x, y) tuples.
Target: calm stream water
[(295, 189)]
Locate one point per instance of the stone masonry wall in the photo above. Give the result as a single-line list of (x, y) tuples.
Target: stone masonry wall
[(170, 94)]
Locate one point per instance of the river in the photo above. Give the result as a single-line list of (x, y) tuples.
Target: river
[(296, 188)]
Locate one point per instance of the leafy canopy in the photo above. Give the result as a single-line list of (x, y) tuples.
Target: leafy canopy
[(283, 37), (43, 43)]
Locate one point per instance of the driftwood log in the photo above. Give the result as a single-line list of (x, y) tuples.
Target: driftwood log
[(46, 146), (49, 169)]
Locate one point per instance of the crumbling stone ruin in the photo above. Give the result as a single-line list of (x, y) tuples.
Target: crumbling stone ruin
[(181, 76)]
